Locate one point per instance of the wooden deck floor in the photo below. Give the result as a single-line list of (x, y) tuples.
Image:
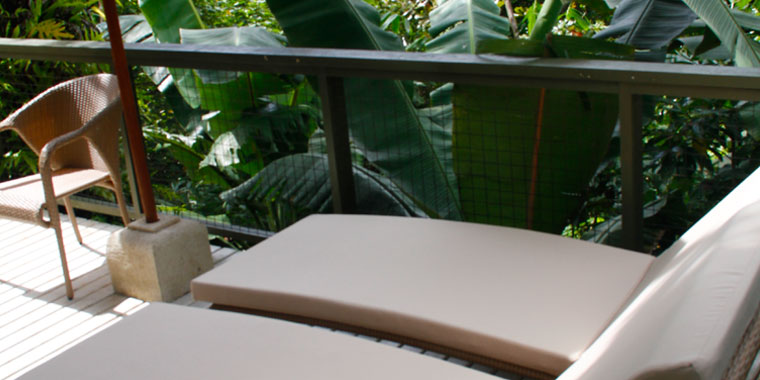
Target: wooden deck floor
[(37, 321)]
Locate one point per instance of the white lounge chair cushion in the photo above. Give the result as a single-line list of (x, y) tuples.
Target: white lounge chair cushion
[(695, 303), (516, 296), (172, 342)]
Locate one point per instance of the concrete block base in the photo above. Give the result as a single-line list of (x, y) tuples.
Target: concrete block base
[(156, 261)]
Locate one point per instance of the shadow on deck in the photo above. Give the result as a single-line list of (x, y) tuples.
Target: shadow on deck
[(37, 321)]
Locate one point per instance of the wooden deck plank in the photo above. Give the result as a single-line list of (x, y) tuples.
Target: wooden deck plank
[(45, 340), (42, 237), (41, 317), (48, 319), (37, 321), (30, 255), (49, 276), (24, 306), (80, 331)]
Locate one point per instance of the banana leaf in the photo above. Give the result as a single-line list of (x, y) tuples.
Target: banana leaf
[(186, 150), (303, 181), (648, 24), (262, 137), (523, 156), (652, 24), (232, 92), (458, 25), (382, 119), (718, 16), (166, 17)]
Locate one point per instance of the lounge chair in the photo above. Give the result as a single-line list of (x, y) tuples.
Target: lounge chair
[(541, 305)]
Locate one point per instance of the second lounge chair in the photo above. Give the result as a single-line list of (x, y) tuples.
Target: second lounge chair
[(517, 300)]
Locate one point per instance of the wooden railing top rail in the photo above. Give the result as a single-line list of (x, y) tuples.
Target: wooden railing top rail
[(588, 75)]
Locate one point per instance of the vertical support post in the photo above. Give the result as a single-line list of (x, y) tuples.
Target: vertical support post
[(338, 149), (134, 132), (630, 160), (130, 169)]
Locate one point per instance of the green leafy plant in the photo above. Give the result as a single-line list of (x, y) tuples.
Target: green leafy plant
[(696, 151), (538, 190), (227, 125), (427, 157)]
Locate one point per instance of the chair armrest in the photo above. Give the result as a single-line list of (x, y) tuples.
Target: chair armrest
[(4, 125)]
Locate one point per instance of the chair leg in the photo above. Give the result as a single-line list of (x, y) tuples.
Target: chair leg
[(72, 218), (122, 206), (55, 221)]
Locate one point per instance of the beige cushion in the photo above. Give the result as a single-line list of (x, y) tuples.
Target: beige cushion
[(688, 316), (172, 342), (517, 296)]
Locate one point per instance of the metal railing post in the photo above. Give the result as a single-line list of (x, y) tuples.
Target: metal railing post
[(631, 167), (133, 194), (338, 148)]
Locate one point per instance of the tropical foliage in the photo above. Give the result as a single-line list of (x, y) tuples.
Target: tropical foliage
[(21, 79), (251, 149), (428, 148)]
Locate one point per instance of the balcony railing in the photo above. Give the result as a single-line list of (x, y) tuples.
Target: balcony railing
[(628, 81)]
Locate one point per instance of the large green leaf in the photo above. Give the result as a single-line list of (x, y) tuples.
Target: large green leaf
[(559, 47), (233, 92), (348, 24), (134, 29), (382, 119), (303, 180), (523, 156), (186, 151), (652, 24), (499, 142), (648, 24), (458, 25), (166, 18), (260, 84), (718, 16), (262, 136)]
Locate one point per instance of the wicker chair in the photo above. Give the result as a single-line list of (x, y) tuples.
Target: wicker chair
[(74, 128)]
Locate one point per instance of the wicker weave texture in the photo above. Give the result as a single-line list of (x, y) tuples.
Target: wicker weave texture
[(747, 351), (65, 109), (74, 127)]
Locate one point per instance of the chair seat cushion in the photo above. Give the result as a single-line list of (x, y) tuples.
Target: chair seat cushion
[(24, 198), (515, 296), (166, 341)]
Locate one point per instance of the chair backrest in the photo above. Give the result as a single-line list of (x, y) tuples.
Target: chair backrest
[(689, 315), (67, 107)]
